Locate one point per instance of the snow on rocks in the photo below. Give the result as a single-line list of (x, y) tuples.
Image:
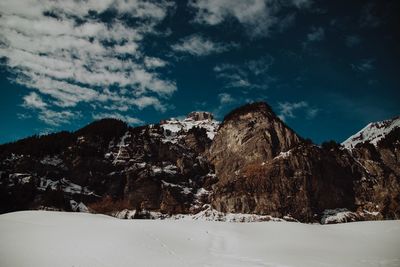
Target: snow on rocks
[(65, 185), (13, 157), (21, 178), (283, 155), (78, 207), (185, 190), (168, 169), (122, 155), (210, 214), (207, 214), (125, 214), (173, 128), (372, 133), (52, 161), (333, 216), (338, 216)]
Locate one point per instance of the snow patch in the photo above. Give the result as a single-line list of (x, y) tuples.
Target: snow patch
[(78, 207), (52, 161), (338, 216), (122, 156), (21, 178), (174, 127), (184, 189), (372, 133), (283, 155), (65, 185)]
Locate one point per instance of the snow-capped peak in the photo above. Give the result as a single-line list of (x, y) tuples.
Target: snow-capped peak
[(173, 127), (372, 133)]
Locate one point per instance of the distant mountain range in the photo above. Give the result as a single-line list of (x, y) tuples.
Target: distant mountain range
[(249, 167)]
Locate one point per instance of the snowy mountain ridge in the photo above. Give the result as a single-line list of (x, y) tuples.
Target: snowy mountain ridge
[(372, 133), (205, 120)]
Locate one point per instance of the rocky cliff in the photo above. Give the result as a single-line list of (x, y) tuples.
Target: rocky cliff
[(251, 163)]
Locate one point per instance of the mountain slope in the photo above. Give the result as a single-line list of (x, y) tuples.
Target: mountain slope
[(376, 148), (148, 167), (372, 133), (264, 167), (251, 163)]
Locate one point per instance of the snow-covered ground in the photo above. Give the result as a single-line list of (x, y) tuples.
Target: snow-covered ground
[(43, 238)]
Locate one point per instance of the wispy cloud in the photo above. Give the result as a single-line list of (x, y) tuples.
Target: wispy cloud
[(232, 75), (258, 17), (126, 118), (312, 113), (352, 40), (364, 66), (225, 102), (288, 110), (317, 34), (251, 74), (368, 17), (33, 100), (197, 45), (51, 117), (56, 118), (63, 51), (225, 98)]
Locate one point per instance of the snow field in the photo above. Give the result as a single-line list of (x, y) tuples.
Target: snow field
[(44, 238)]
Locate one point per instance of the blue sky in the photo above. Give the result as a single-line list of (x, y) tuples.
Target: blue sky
[(326, 67)]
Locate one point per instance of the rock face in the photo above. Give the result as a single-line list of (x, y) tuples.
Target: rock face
[(264, 167), (248, 136), (156, 167), (379, 187), (250, 163), (200, 116)]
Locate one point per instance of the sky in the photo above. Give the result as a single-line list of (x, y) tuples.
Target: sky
[(327, 68)]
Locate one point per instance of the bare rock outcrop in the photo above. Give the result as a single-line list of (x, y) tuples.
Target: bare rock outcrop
[(249, 135), (264, 167)]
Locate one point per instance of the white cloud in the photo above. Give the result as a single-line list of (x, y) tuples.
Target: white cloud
[(225, 98), (352, 40), (146, 101), (312, 113), (257, 16), (316, 34), (56, 118), (153, 62), (197, 45), (232, 75), (126, 118), (364, 66), (251, 74), (33, 100), (69, 63), (302, 3), (260, 66), (288, 110)]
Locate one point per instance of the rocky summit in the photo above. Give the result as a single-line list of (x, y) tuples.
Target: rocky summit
[(250, 165)]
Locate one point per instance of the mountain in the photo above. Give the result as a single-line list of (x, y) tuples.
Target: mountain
[(373, 133), (250, 163), (154, 167)]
